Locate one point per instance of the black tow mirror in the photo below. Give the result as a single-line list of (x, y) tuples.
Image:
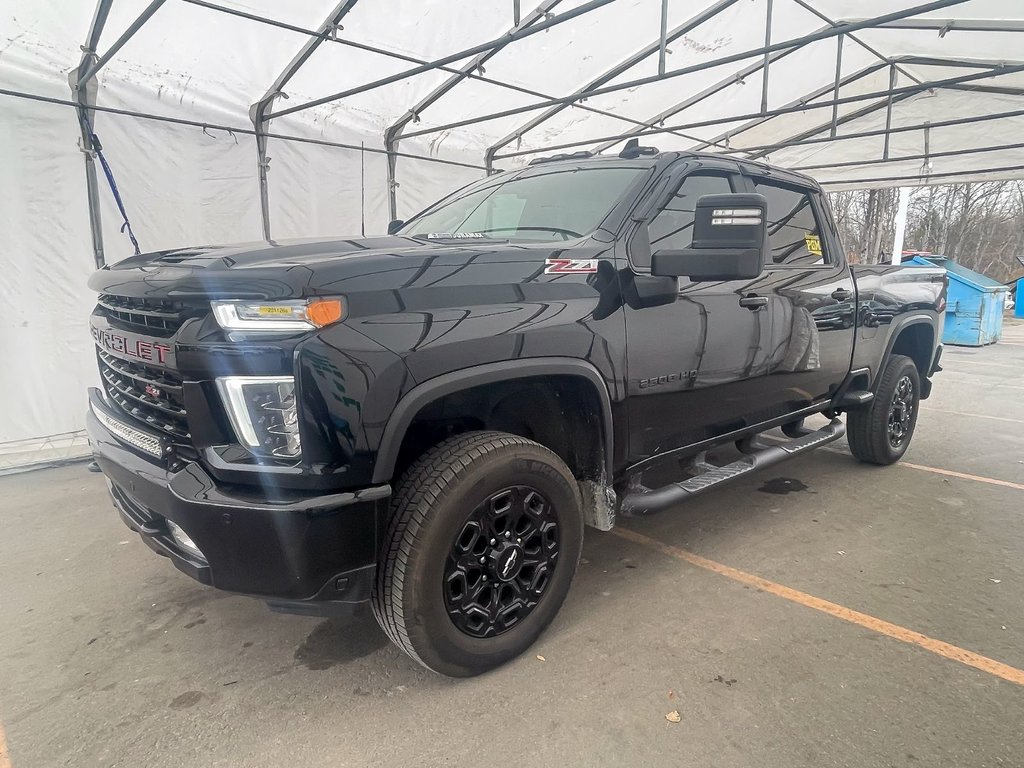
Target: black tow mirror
[(730, 237), (395, 225)]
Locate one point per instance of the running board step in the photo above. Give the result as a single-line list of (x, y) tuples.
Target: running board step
[(649, 502)]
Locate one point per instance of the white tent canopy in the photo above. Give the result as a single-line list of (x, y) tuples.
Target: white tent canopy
[(230, 120)]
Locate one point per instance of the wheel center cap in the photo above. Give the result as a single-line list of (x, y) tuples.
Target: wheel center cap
[(507, 560)]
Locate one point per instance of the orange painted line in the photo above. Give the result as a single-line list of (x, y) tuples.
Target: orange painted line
[(5, 756), (963, 475), (909, 636)]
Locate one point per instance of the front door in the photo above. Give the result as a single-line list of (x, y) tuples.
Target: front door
[(694, 365)]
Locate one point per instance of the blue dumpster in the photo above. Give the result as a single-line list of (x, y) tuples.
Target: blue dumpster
[(1018, 303), (974, 304)]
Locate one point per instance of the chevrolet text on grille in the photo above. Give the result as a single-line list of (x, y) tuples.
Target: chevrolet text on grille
[(150, 351)]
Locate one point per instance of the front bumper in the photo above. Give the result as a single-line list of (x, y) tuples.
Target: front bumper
[(295, 550)]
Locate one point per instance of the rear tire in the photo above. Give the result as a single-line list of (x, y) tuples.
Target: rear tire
[(881, 432), (485, 535)]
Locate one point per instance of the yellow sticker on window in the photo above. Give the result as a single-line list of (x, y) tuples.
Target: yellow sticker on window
[(813, 243)]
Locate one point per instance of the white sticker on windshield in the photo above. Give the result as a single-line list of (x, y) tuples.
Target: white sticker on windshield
[(570, 266)]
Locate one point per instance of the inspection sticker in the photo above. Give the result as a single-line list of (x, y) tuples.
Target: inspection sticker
[(570, 266), (813, 243)]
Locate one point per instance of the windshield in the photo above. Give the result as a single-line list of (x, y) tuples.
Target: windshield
[(559, 205)]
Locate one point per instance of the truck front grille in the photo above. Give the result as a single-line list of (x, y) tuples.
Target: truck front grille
[(152, 316), (149, 395)]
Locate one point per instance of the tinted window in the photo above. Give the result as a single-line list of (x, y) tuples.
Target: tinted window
[(553, 205), (672, 228), (793, 233)]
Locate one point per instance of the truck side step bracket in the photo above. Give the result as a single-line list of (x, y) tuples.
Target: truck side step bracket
[(855, 399), (647, 502)]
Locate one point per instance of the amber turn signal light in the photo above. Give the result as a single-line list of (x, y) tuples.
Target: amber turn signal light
[(321, 312)]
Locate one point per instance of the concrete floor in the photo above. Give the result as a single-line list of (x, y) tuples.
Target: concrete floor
[(110, 657)]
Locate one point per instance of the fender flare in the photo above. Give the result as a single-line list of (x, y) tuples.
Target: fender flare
[(897, 329), (524, 368)]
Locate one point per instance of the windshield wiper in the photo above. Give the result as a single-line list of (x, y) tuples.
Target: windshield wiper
[(565, 233), (452, 236)]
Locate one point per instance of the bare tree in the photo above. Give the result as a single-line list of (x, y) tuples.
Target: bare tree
[(978, 224)]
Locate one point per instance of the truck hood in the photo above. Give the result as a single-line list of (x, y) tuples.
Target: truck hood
[(301, 268)]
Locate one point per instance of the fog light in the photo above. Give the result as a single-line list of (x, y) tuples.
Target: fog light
[(183, 540), (262, 411)]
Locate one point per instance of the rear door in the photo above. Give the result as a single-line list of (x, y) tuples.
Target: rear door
[(811, 299)]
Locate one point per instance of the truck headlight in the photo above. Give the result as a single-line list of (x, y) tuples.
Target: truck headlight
[(263, 414), (276, 316)]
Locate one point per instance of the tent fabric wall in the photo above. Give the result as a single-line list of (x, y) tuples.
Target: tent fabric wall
[(208, 61)]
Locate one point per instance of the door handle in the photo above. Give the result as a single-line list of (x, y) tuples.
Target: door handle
[(841, 294), (753, 302)]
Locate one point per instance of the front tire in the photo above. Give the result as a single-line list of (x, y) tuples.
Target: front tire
[(485, 535), (881, 433)]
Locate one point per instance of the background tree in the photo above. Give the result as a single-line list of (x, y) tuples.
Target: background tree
[(979, 224)]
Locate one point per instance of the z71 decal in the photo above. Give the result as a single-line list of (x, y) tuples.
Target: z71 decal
[(570, 266)]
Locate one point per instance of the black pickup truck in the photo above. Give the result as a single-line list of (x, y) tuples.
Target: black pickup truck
[(426, 421)]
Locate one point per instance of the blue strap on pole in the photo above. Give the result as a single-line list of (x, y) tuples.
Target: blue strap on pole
[(98, 148)]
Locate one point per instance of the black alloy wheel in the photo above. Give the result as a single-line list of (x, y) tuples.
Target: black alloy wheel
[(901, 412), (880, 433), (501, 562), (483, 540)]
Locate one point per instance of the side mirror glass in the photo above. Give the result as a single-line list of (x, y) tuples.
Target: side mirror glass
[(395, 225), (730, 237)]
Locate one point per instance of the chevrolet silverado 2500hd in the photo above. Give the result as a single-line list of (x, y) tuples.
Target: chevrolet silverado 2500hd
[(426, 421)]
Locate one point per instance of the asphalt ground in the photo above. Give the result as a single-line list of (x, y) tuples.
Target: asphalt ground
[(821, 613)]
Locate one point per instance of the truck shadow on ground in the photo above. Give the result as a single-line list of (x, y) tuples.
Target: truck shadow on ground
[(336, 642), (340, 641)]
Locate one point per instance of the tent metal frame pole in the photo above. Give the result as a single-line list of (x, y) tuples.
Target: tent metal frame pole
[(127, 35), (813, 37), (721, 85), (925, 179), (767, 61), (927, 164), (663, 45), (548, 23), (847, 118), (229, 129), (799, 107), (394, 133), (258, 111), (933, 61), (768, 148), (839, 74), (944, 26), (926, 156), (84, 93), (888, 111), (1000, 90), (377, 50), (556, 106), (870, 49)]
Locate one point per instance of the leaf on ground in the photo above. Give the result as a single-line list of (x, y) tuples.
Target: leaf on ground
[(540, 658), (673, 716)]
